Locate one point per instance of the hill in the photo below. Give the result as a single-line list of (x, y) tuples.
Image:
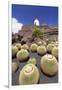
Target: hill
[(26, 34)]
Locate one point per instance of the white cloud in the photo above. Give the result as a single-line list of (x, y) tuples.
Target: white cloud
[(36, 22), (16, 26)]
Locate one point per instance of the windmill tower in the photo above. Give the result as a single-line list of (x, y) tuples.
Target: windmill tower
[(36, 22)]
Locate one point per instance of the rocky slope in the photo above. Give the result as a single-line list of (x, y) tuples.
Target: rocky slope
[(26, 34)]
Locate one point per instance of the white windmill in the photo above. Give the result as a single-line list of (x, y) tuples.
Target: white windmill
[(36, 22)]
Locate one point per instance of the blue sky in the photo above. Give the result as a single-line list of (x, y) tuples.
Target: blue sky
[(26, 14)]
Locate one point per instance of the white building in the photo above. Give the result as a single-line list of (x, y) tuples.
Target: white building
[(36, 22)]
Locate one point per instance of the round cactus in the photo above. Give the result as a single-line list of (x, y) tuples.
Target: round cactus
[(14, 67), (29, 75), (49, 64), (50, 47), (55, 52), (34, 47), (39, 43), (22, 55), (41, 50), (52, 42), (18, 45), (25, 46), (56, 44), (32, 61), (14, 50), (42, 43)]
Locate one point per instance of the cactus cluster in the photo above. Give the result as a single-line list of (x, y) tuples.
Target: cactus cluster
[(48, 62)]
